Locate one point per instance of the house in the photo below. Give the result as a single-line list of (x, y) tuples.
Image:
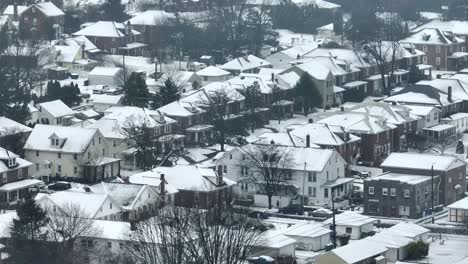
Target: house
[(352, 223), (397, 246), (185, 81), (398, 195), (70, 152), (197, 187), (309, 236), (113, 37), (458, 88), (213, 74), (15, 183), (316, 173), (14, 11), (410, 230), (438, 46), (155, 26), (458, 211), (325, 136), (459, 28), (429, 115), (93, 205), (440, 133), (42, 21), (359, 252), (459, 120), (12, 132), (284, 58), (55, 113), (321, 76), (427, 95), (73, 57), (110, 76), (450, 169), (102, 102), (137, 201), (246, 64), (376, 132)]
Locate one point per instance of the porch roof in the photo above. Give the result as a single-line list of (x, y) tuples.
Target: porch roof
[(198, 128), (19, 185), (337, 182), (354, 84)]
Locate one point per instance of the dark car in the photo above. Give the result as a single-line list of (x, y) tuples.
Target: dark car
[(295, 209), (258, 214), (59, 186)]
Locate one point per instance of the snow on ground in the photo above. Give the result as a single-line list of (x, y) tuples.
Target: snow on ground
[(306, 257), (449, 249)]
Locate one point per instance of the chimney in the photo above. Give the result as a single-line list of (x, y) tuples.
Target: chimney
[(308, 141), (272, 142), (272, 77), (15, 11), (128, 29), (162, 190), (83, 54), (449, 94), (220, 170)]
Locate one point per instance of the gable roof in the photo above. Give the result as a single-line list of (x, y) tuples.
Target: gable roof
[(457, 27), (421, 161), (8, 126), (315, 69), (49, 9), (459, 88), (77, 139), (358, 251), (127, 195), (152, 18), (319, 134), (181, 108), (432, 36), (212, 71), (136, 115), (56, 108), (109, 29), (350, 218), (356, 122), (10, 10), (245, 63), (421, 94)]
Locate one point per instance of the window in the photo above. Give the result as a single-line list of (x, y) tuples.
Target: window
[(327, 175), (103, 152), (37, 153), (427, 189), (384, 191), (450, 179), (424, 59), (26, 20), (436, 116), (75, 156), (109, 244), (93, 141), (406, 193), (59, 155), (314, 192), (59, 168), (113, 50), (114, 144), (110, 205), (11, 162), (20, 174), (325, 194), (37, 166), (425, 48), (371, 190), (75, 170), (437, 60), (5, 179), (392, 192), (83, 243), (460, 176), (309, 191), (99, 140), (224, 169), (34, 21), (309, 176), (90, 243), (243, 157), (33, 9), (121, 245), (230, 156), (437, 49), (349, 230)]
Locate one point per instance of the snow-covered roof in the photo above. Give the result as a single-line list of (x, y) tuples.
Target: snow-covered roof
[(331, 63), (289, 38), (6, 154), (422, 110), (390, 114), (67, 54), (407, 229), (439, 127), (358, 251), (421, 161), (404, 178), (49, 9), (317, 4), (432, 36), (112, 230), (8, 126), (347, 55), (390, 240), (307, 230), (356, 122), (422, 94), (180, 108), (319, 134), (212, 71), (289, 79), (12, 186), (106, 71), (90, 203), (109, 128), (274, 239), (127, 195), (460, 204), (182, 177), (245, 63), (108, 29), (454, 26), (327, 27), (76, 139), (350, 218), (83, 40), (315, 69), (56, 108), (9, 10), (430, 16), (152, 18), (129, 115), (107, 99), (283, 139), (459, 88)]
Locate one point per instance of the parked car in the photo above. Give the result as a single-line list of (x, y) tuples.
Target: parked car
[(38, 187), (59, 186), (295, 209)]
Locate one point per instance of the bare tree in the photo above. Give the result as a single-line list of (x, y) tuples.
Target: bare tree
[(442, 145), (252, 95), (184, 235), (66, 227), (271, 166)]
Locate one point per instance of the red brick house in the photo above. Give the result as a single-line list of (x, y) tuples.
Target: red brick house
[(439, 46), (459, 28), (42, 21), (113, 37)]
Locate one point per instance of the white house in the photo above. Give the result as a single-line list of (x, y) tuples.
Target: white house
[(274, 244), (70, 152), (352, 223), (358, 252), (110, 76), (315, 172), (429, 115), (246, 64), (94, 205), (101, 102), (458, 211), (213, 74), (459, 120), (55, 113)]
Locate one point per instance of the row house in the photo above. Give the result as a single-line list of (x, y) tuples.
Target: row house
[(113, 37), (450, 170), (80, 154), (406, 123), (459, 120), (315, 173), (196, 187), (439, 46), (42, 21), (457, 88), (428, 116), (427, 95), (376, 133), (15, 182), (457, 27), (398, 195)]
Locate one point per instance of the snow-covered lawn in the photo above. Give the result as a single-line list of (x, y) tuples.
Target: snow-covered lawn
[(451, 249)]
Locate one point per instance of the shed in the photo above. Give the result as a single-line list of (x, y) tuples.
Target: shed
[(111, 76)]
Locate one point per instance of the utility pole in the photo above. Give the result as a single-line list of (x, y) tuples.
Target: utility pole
[(303, 184), (334, 224), (432, 192)]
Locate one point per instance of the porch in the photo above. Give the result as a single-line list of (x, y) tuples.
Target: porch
[(199, 133), (11, 193)]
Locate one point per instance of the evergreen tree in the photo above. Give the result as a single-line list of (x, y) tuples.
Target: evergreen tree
[(414, 75), (460, 147), (307, 91), (29, 235), (136, 91), (114, 10), (167, 94), (13, 100)]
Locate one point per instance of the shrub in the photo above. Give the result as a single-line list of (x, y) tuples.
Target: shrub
[(417, 249)]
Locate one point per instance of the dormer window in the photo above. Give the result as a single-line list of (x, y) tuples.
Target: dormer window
[(11, 162)]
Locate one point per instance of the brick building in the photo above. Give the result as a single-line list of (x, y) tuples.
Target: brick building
[(42, 21)]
